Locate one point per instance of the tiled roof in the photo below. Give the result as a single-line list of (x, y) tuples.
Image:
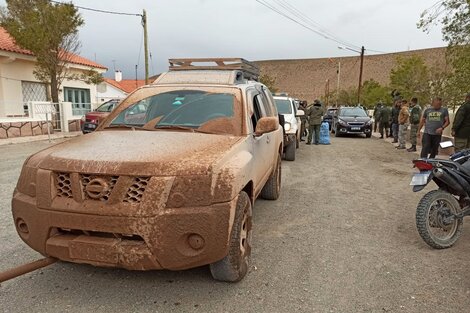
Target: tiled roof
[(7, 43), (126, 85)]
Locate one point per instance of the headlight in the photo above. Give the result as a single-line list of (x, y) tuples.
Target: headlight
[(342, 123), (287, 126), (369, 122)]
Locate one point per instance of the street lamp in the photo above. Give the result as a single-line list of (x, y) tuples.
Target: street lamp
[(360, 71)]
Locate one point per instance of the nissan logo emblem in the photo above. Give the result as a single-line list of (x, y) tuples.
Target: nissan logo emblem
[(96, 188)]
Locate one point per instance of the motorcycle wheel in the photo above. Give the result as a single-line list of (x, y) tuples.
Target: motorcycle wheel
[(431, 214)]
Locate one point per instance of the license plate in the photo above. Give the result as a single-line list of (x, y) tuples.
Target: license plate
[(420, 179), (355, 128), (91, 126)]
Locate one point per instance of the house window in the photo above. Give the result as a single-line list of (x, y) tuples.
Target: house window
[(80, 99), (33, 91)]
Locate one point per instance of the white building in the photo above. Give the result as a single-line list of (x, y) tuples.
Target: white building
[(18, 85), (116, 88)]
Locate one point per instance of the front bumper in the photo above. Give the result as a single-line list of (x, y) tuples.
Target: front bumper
[(173, 239), (366, 129), (89, 127)]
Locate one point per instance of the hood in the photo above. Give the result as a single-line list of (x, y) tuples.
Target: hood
[(145, 153), (359, 119)]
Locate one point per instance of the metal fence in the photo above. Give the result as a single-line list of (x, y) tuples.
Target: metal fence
[(80, 109)]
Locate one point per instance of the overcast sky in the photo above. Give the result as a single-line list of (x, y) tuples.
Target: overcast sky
[(245, 28)]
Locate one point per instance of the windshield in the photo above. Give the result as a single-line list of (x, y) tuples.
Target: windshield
[(353, 112), (181, 109), (107, 106), (283, 106)]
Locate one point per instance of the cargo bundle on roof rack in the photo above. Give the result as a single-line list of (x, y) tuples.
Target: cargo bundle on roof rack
[(248, 69)]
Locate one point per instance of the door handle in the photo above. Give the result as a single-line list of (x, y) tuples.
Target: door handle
[(268, 140)]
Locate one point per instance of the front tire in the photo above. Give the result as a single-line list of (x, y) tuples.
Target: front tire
[(336, 133), (431, 222), (290, 151), (235, 265)]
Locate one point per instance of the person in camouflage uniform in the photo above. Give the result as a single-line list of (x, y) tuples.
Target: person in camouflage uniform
[(384, 121), (461, 126), (377, 110), (303, 119), (314, 114), (415, 118)]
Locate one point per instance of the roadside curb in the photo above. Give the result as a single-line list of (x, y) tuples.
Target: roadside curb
[(12, 141)]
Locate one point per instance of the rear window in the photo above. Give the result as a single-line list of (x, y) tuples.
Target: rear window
[(283, 106)]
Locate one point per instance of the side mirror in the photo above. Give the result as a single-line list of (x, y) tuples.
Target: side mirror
[(300, 113), (446, 144), (266, 125)]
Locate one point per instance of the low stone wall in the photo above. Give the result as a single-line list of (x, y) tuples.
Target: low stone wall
[(23, 129), (74, 126)]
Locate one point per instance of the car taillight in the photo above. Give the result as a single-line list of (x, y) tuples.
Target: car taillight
[(423, 165)]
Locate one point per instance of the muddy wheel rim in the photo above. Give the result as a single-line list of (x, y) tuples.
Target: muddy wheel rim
[(245, 235), (436, 225)]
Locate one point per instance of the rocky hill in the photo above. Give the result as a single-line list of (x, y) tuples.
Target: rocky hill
[(306, 78)]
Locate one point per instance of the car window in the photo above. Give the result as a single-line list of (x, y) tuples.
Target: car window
[(283, 106), (353, 112), (106, 107), (185, 108), (270, 102)]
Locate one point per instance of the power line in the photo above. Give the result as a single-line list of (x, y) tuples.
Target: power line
[(290, 12), (100, 11)]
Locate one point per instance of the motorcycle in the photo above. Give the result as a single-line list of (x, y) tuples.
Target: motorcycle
[(440, 213)]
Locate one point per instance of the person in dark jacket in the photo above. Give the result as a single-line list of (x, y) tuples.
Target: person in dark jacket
[(315, 114), (384, 121), (395, 113), (461, 126)]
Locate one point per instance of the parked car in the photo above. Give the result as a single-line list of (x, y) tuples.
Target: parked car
[(352, 120), (171, 189), (286, 106), (91, 120), (329, 115)]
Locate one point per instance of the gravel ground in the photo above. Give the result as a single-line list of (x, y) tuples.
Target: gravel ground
[(341, 238)]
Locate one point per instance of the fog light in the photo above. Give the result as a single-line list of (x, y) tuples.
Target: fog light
[(195, 241), (22, 226)]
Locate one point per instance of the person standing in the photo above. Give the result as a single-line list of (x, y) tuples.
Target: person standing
[(415, 117), (395, 113), (384, 125), (303, 119), (314, 115), (461, 126), (435, 119), (403, 118), (377, 110)]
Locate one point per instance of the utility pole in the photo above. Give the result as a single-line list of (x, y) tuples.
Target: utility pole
[(360, 76), (327, 92), (338, 82), (146, 46)]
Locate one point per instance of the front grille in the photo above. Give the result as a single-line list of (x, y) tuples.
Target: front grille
[(107, 181), (136, 190), (79, 232), (355, 124), (63, 185)]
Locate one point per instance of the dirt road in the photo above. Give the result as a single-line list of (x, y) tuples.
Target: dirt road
[(341, 239)]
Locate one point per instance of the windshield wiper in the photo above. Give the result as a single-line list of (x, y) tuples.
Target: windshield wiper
[(178, 127)]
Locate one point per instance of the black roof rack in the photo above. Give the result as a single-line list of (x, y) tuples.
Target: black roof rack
[(250, 70)]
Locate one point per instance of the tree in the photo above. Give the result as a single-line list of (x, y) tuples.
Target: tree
[(373, 92), (454, 16), (411, 78), (50, 31), (269, 82)]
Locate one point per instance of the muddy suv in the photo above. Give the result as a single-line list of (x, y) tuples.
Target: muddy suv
[(169, 189)]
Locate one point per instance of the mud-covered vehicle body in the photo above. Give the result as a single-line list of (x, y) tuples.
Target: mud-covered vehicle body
[(173, 190)]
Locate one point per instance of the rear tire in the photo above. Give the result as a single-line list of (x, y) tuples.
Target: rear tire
[(272, 188), (429, 214), (290, 151), (234, 266)]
